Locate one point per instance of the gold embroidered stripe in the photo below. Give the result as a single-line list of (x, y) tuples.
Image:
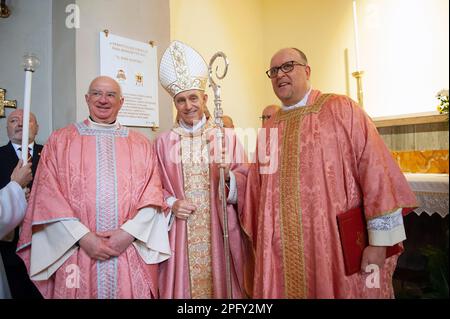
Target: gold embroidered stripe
[(194, 151), (290, 206)]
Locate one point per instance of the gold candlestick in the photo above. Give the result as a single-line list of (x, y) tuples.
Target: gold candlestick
[(358, 76)]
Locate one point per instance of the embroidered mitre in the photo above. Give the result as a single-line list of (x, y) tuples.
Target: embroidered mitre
[(182, 69)]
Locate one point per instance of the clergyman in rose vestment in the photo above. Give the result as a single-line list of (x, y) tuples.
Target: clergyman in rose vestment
[(93, 227), (189, 156), (319, 156)]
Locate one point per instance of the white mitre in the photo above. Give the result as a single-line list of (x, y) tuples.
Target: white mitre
[(182, 69)]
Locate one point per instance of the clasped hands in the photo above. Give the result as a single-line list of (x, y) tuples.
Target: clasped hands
[(104, 245)]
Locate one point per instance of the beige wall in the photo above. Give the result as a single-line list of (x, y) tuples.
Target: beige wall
[(321, 29), (234, 27), (404, 48), (406, 54)]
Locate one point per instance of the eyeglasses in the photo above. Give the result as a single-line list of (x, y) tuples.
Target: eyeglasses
[(98, 94), (285, 67), (265, 117)]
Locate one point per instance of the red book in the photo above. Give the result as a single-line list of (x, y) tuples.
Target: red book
[(353, 233)]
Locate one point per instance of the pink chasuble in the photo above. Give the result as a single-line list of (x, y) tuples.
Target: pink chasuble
[(180, 273), (101, 178), (330, 159)]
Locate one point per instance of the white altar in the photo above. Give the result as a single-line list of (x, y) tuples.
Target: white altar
[(432, 191)]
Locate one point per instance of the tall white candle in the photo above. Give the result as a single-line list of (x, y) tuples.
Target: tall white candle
[(26, 116), (355, 29)]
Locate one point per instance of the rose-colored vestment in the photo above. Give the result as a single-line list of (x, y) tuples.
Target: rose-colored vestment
[(100, 178), (330, 159), (175, 272)]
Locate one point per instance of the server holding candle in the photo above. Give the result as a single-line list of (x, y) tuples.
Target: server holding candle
[(21, 137)]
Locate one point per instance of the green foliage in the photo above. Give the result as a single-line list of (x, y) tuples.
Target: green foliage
[(438, 270)]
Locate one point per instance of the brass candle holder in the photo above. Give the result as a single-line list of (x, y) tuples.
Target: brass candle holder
[(358, 76)]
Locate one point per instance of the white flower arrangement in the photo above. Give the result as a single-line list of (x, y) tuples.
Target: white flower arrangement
[(442, 96)]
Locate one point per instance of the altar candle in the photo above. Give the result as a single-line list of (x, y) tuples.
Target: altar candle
[(30, 64), (26, 116), (355, 29)]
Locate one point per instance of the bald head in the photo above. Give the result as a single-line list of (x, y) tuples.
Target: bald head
[(227, 121), (15, 124), (104, 99), (294, 53), (106, 80), (268, 112)]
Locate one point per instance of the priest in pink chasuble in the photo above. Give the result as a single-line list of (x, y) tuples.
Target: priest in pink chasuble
[(189, 157), (94, 227), (320, 156)]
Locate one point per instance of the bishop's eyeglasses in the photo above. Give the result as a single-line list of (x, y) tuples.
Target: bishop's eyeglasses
[(285, 67)]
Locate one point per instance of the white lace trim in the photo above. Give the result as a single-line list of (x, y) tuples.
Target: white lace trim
[(387, 222), (431, 203)]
